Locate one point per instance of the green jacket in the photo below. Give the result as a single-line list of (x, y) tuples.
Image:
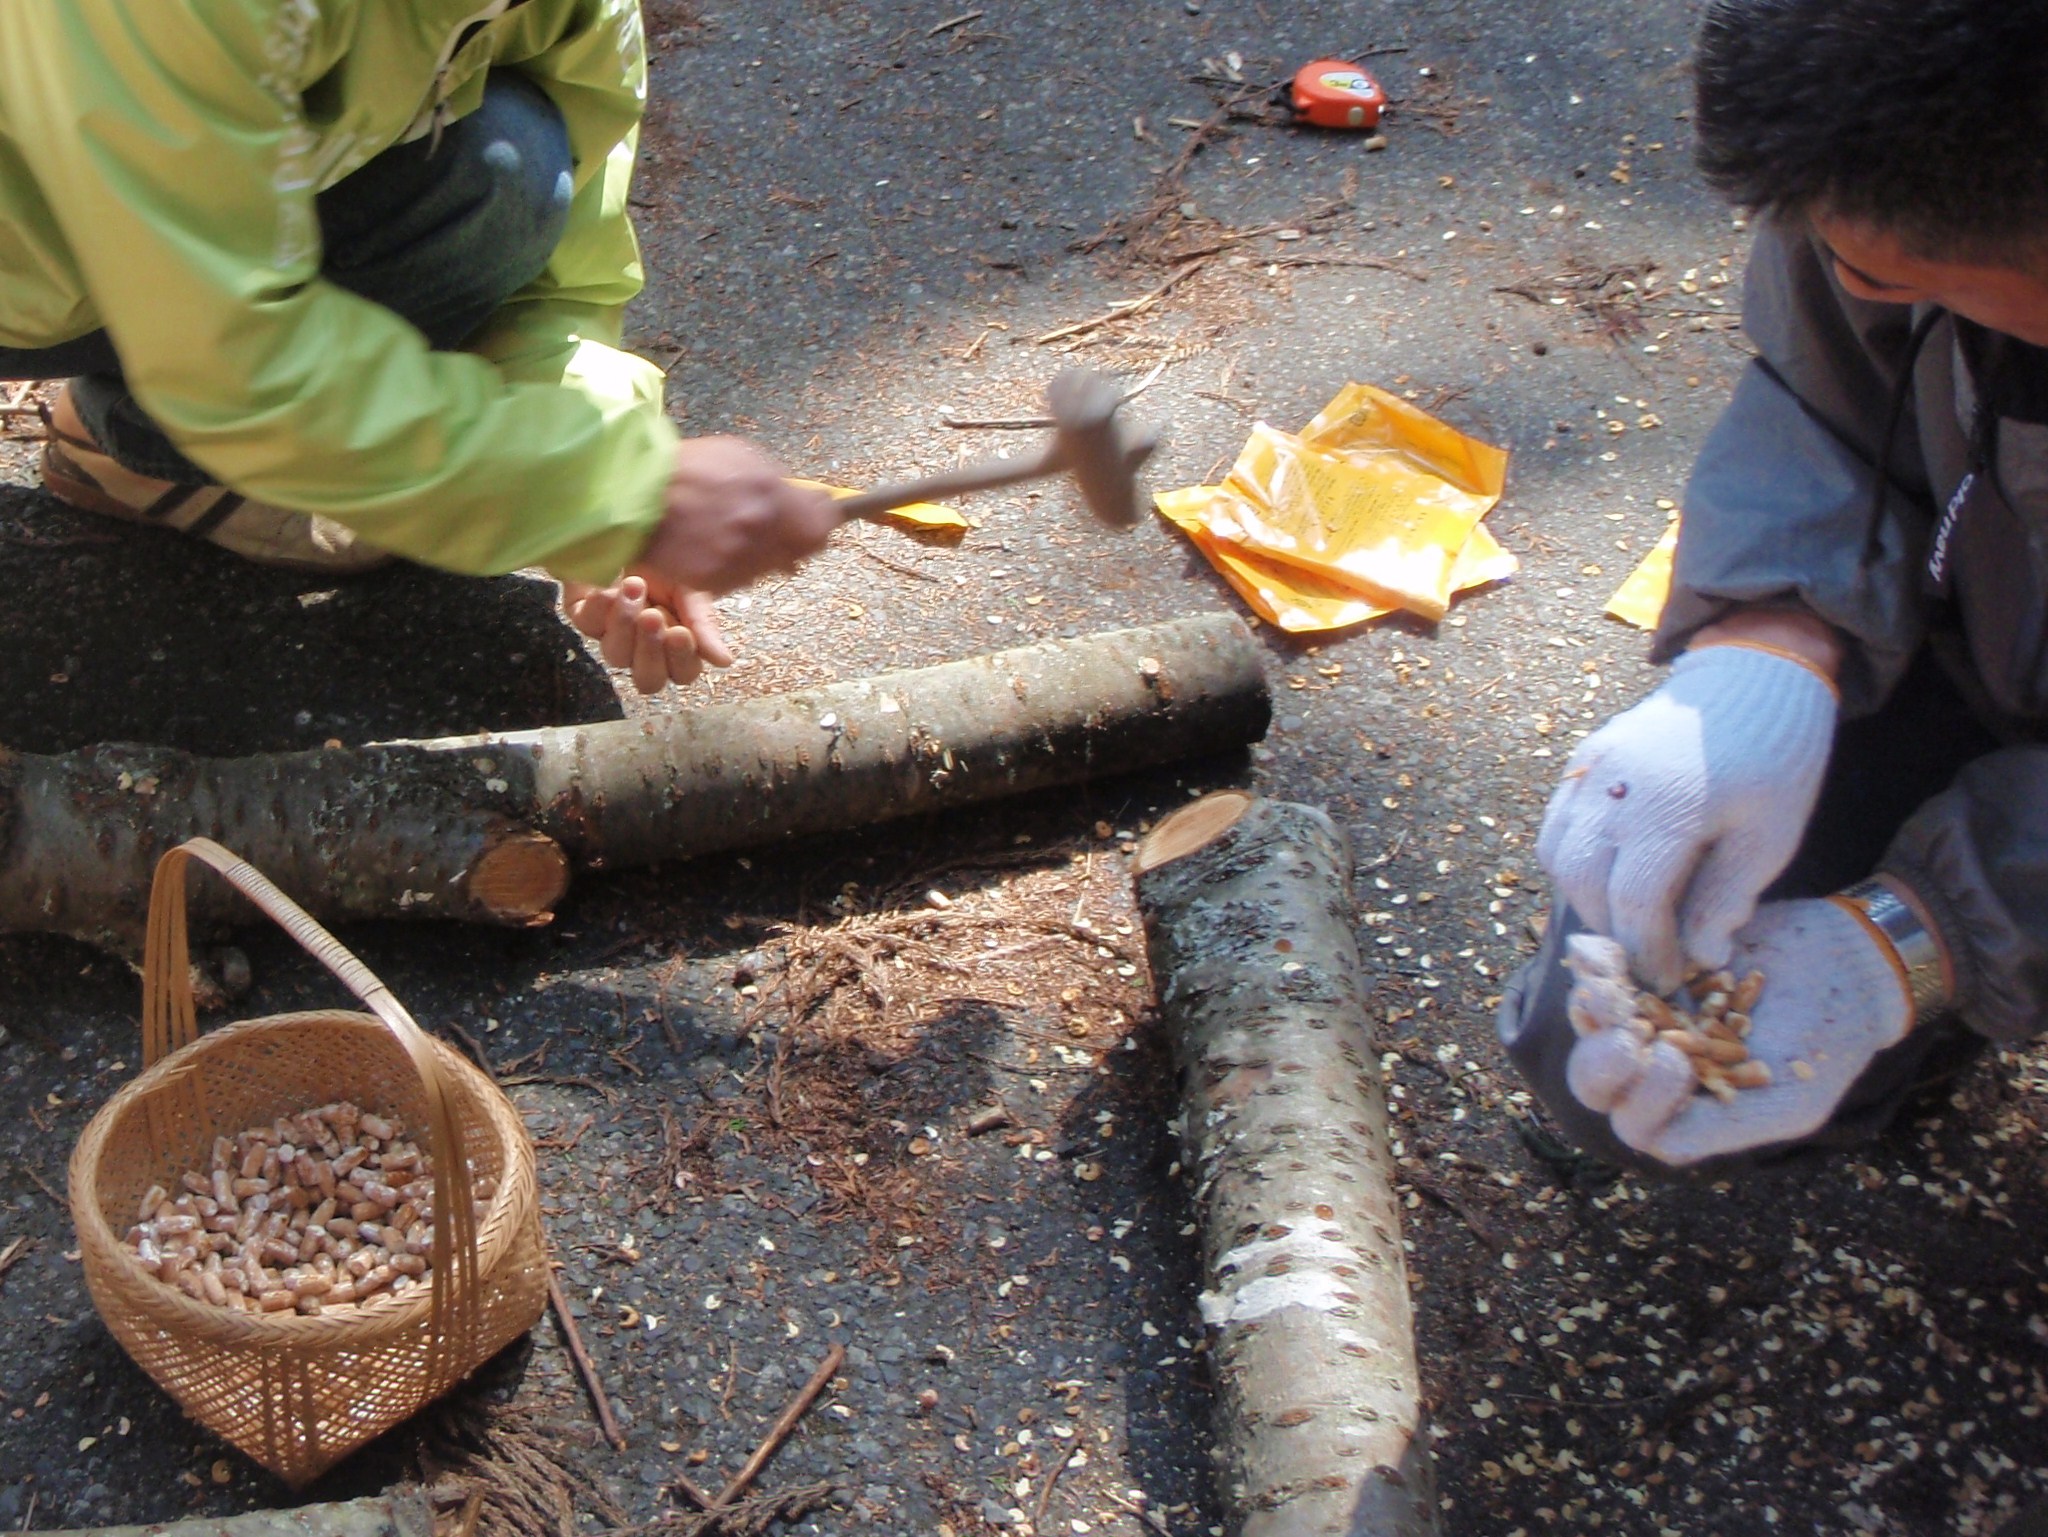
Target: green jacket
[(158, 164)]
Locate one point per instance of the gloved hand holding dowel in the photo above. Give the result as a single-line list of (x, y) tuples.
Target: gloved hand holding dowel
[(1835, 994), (1670, 822)]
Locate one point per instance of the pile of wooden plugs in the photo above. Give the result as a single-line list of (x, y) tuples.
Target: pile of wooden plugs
[(1714, 1034), (315, 1211)]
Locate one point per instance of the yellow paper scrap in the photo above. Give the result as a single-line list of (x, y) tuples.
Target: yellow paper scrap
[(1299, 600), (1372, 507), (928, 521), (1639, 600)]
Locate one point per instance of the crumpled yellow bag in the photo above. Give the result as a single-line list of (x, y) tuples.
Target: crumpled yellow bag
[(1297, 599), (1374, 506), (926, 522), (1640, 599)]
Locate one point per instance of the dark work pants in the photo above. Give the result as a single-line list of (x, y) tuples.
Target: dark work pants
[(440, 232), (1882, 768)]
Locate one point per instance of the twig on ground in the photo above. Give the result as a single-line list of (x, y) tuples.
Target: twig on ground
[(1027, 1069), (1475, 1224), (1124, 309), (15, 1253), (1021, 423), (1143, 1512), (566, 1144), (562, 1080), (1374, 262), (1052, 1477), (994, 1118), (732, 1377), (1307, 221), (995, 423), (784, 1424), (1149, 380), (694, 1492), (35, 1178), (956, 21), (572, 1340), (861, 548)]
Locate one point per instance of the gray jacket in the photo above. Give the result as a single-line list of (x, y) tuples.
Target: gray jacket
[(1783, 510)]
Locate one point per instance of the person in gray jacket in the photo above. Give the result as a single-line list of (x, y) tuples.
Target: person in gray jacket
[(1843, 784)]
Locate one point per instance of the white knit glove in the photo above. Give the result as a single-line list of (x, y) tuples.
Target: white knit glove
[(1673, 817), (1834, 996)]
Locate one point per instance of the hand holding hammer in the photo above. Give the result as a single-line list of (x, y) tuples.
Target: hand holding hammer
[(1088, 442), (731, 518)]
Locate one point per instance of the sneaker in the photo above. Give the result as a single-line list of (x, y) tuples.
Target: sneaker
[(79, 473)]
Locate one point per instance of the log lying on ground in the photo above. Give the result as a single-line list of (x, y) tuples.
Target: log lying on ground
[(393, 1515), (1319, 1413), (488, 828)]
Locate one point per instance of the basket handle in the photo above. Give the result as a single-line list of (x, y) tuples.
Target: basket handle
[(169, 1021)]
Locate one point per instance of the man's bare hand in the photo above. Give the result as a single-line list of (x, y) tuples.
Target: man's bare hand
[(732, 518), (664, 632)]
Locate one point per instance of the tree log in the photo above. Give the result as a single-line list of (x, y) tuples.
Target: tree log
[(1320, 1423), (394, 1515), (488, 828)]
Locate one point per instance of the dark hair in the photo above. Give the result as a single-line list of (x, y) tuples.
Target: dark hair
[(1925, 119)]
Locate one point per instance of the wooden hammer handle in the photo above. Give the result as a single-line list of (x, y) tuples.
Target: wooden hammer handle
[(986, 475)]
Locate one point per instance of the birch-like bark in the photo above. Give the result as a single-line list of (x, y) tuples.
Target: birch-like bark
[(1319, 1416), (488, 828)]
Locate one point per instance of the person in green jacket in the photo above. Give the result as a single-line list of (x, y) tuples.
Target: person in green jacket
[(337, 280)]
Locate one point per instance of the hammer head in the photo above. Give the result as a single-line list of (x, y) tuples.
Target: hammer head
[(1101, 453)]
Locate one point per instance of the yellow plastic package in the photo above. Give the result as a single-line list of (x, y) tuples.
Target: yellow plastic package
[(1639, 600), (927, 522), (1373, 506), (1296, 598)]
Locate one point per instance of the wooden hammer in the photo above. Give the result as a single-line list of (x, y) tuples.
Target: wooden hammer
[(1088, 443)]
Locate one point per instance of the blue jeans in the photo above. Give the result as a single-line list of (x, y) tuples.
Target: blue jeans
[(440, 233)]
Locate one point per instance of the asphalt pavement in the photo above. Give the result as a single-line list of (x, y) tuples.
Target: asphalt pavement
[(755, 1080)]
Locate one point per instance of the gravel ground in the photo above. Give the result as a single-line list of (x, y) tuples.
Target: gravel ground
[(752, 1079)]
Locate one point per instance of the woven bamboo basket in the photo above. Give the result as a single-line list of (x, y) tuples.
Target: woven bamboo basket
[(298, 1394)]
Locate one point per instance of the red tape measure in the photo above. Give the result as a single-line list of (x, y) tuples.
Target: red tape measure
[(1335, 93)]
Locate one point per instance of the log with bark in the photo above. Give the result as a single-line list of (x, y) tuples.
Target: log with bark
[(1319, 1417), (392, 1515), (488, 828)]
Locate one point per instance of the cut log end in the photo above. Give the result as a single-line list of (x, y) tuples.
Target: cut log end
[(1196, 825), (519, 878)]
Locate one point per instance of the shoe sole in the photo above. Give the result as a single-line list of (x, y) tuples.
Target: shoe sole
[(77, 489)]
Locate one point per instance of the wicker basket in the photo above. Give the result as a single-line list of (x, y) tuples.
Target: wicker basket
[(296, 1393)]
